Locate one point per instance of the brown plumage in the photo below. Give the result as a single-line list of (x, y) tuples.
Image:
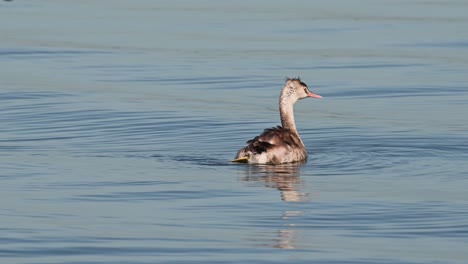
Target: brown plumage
[(281, 144)]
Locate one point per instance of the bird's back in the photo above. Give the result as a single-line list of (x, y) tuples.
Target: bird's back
[(274, 146)]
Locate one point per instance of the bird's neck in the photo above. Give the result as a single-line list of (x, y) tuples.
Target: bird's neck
[(287, 119), (287, 114)]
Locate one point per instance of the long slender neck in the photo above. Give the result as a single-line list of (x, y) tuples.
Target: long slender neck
[(287, 114), (287, 118)]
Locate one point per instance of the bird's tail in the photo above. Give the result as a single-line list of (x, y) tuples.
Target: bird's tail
[(244, 159)]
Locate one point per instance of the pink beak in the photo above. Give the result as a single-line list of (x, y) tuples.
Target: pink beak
[(312, 95)]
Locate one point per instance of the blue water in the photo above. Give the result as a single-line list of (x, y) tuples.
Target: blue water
[(119, 120)]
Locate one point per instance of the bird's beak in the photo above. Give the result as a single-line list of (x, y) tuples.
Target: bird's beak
[(313, 95)]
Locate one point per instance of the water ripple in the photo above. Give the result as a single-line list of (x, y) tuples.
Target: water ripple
[(353, 152), (44, 53), (401, 220)]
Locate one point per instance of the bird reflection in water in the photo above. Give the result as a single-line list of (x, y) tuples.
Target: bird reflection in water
[(288, 236), (284, 177)]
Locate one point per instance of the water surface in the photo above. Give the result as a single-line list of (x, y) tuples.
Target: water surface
[(119, 119)]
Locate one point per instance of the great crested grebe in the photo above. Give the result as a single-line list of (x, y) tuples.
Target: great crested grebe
[(281, 144)]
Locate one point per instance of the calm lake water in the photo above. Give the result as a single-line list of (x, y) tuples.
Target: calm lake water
[(118, 121)]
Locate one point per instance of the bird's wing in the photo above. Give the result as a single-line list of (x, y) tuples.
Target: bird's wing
[(272, 138)]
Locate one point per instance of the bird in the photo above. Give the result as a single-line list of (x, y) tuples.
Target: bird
[(280, 144)]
